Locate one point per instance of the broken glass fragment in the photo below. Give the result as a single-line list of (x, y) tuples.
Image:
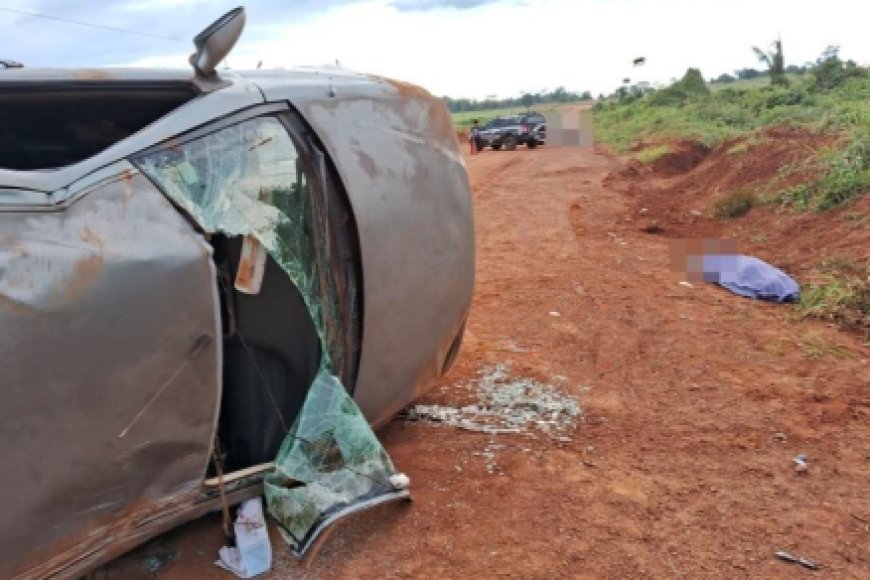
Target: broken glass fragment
[(330, 460)]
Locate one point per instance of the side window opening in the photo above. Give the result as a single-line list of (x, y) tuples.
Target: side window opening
[(247, 184), (51, 125), (286, 342)]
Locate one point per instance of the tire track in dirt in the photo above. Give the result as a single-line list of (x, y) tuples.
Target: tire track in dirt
[(480, 182)]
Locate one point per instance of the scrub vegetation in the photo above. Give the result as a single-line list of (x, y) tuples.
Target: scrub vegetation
[(779, 158), (840, 294), (831, 98), (844, 172), (734, 204)]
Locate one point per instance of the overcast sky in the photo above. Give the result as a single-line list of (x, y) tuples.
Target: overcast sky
[(461, 48)]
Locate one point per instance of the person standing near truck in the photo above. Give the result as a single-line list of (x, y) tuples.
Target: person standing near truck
[(474, 137)]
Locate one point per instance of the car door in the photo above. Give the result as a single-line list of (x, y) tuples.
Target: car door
[(110, 350)]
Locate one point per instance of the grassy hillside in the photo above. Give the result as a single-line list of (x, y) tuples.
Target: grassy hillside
[(786, 169), (753, 83), (843, 112)]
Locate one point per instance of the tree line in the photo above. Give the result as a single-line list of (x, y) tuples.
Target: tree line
[(827, 72), (528, 100)]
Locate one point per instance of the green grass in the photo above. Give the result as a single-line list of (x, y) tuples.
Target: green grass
[(652, 154), (756, 83), (844, 173), (464, 119), (733, 112), (842, 294), (736, 111), (816, 347)]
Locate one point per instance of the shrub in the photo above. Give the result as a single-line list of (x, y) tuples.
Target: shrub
[(831, 72), (692, 85), (733, 204), (844, 173), (788, 97), (848, 172), (842, 295)]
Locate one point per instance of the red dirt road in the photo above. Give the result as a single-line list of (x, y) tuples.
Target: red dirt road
[(695, 401)]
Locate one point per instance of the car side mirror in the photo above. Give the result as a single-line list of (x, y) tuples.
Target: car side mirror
[(215, 42)]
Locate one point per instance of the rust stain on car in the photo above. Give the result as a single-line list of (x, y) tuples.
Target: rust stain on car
[(85, 274), (127, 175), (69, 559), (407, 89), (88, 235), (441, 124)]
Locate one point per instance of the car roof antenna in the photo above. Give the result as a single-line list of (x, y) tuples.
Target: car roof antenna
[(214, 43)]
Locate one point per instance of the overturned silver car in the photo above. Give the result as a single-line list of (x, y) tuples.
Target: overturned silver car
[(211, 285)]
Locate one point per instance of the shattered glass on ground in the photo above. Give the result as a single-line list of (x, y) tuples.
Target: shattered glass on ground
[(247, 179), (506, 404)]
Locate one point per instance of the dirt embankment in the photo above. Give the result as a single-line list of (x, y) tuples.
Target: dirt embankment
[(675, 196)]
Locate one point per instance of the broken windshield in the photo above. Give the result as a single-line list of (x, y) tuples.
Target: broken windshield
[(249, 180)]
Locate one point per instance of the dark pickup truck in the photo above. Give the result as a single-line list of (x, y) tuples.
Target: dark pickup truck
[(508, 132)]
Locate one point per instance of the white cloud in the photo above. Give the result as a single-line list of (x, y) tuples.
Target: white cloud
[(506, 47), (581, 44), (151, 6)]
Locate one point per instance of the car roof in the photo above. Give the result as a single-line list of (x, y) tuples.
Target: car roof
[(47, 74), (24, 74), (517, 118), (233, 91)]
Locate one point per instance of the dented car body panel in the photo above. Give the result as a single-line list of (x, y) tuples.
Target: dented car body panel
[(110, 315), (414, 215), (109, 391)]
